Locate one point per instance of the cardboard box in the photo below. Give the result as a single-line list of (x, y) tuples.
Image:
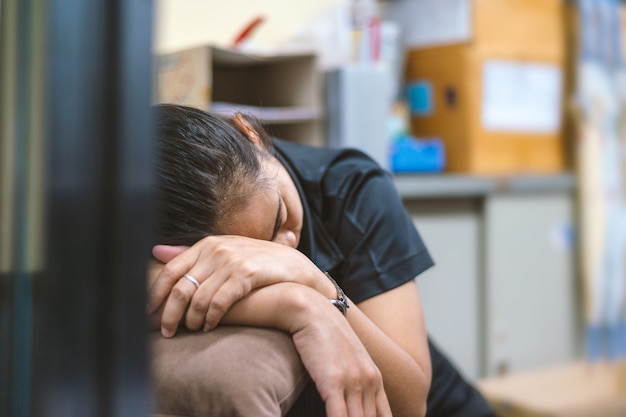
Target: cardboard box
[(282, 91), (496, 102), (184, 77), (579, 389)]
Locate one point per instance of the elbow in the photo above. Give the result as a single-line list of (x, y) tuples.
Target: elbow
[(426, 377), (419, 409), (413, 402), (423, 383), (423, 403)]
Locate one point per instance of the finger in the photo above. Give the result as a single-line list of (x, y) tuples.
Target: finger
[(369, 404), (213, 282), (169, 276), (166, 253), (225, 296), (383, 409), (354, 402), (336, 405), (198, 308), (175, 306)]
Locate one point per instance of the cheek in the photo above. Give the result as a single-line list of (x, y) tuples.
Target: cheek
[(287, 238), (294, 210), (296, 217)]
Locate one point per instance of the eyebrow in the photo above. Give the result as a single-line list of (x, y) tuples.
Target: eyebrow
[(278, 221)]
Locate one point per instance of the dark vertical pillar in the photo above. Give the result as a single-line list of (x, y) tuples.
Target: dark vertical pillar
[(89, 309)]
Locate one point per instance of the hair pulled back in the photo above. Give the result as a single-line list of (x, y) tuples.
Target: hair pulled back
[(206, 169)]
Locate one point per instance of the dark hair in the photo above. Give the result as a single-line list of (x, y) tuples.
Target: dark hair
[(206, 169)]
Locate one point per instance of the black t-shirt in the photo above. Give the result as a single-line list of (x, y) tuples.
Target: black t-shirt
[(356, 227), (355, 224)]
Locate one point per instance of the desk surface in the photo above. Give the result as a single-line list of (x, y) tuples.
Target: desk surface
[(454, 185)]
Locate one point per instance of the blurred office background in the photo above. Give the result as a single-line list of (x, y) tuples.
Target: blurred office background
[(503, 122)]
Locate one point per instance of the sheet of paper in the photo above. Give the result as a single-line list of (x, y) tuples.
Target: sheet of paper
[(521, 97), (431, 22)]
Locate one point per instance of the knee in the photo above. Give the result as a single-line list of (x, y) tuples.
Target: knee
[(231, 371)]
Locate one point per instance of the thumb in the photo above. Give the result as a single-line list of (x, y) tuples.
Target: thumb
[(166, 253)]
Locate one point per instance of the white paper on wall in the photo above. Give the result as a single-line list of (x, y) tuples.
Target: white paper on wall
[(431, 22), (521, 97)]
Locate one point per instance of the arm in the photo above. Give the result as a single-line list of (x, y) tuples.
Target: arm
[(389, 325), (344, 373), (397, 347), (394, 333), (228, 268)]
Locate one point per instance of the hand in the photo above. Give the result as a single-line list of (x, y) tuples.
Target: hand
[(227, 269), (345, 375)]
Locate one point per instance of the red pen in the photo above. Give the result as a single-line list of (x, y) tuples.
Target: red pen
[(247, 30)]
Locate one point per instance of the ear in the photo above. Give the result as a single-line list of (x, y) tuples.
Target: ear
[(243, 125)]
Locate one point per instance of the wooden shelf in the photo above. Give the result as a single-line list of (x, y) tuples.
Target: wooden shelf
[(282, 91)]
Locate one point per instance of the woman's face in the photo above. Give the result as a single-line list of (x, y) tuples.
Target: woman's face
[(274, 211)]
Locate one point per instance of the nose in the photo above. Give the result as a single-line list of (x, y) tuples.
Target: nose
[(287, 238)]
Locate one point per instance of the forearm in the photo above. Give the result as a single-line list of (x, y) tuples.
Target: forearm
[(287, 305), (403, 358), (293, 306), (341, 367), (281, 306), (406, 379), (278, 306)]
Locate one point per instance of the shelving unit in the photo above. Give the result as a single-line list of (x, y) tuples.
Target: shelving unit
[(282, 91)]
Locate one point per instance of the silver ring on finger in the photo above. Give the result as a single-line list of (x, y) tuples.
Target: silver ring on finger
[(192, 280)]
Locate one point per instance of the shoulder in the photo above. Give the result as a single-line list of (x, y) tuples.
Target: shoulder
[(331, 168)]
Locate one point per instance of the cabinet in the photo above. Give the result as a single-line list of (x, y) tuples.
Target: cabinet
[(451, 291), (283, 91), (530, 289), (502, 295)]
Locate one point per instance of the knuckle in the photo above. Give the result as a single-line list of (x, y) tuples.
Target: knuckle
[(363, 376), (246, 268), (336, 379), (193, 324), (373, 376), (179, 295), (358, 378), (222, 249), (219, 305), (237, 291), (171, 269), (199, 305), (169, 323), (242, 289)]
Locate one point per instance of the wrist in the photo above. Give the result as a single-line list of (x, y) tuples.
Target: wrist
[(303, 306), (340, 301), (320, 283)]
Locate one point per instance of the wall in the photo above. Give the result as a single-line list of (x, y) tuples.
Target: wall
[(181, 24)]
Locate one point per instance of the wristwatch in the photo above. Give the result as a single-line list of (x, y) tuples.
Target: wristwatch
[(341, 302)]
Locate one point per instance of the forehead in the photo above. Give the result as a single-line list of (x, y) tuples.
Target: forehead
[(256, 217)]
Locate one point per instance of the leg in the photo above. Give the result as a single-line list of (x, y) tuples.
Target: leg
[(450, 394), (230, 371)]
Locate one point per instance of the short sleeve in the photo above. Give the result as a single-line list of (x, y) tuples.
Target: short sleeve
[(381, 245)]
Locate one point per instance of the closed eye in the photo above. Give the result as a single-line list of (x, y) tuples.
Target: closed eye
[(279, 218)]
